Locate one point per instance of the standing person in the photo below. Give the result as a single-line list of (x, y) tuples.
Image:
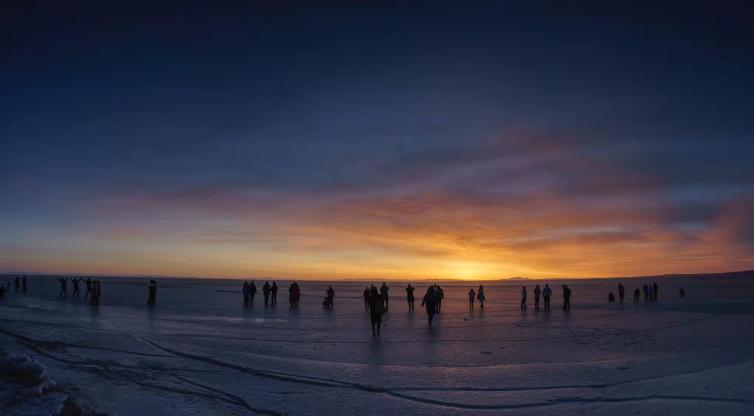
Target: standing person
[(537, 294), (366, 295), (410, 297), (245, 290), (97, 291), (383, 292), (472, 296), (274, 294), (566, 298), (621, 292), (645, 289), (266, 289), (329, 297), (18, 283), (376, 310), (480, 296), (4, 290), (63, 286), (429, 301), (152, 292), (252, 292), (24, 284), (546, 294), (654, 291), (637, 295), (88, 284), (523, 298), (76, 291)]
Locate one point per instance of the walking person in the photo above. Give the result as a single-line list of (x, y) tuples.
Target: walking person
[(546, 294), (410, 297), (472, 296), (384, 293), (523, 298), (151, 300), (440, 297), (273, 293), (480, 296), (537, 294), (430, 302)]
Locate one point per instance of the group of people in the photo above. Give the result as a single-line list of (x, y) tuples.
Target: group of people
[(545, 294), (269, 291), (93, 288), (478, 295)]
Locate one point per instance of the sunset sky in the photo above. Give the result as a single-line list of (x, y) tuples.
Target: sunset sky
[(470, 140)]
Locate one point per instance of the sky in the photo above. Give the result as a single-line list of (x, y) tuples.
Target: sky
[(386, 140)]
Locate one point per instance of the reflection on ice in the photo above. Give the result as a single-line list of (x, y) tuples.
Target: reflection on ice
[(200, 351)]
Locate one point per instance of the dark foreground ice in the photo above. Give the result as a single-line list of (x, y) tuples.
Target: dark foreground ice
[(200, 352)]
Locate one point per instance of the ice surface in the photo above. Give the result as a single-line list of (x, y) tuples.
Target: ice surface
[(201, 352)]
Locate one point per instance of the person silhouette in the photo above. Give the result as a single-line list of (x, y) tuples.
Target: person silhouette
[(366, 295), (3, 290), (97, 292), (329, 297), (440, 297), (681, 293), (546, 294), (18, 283), (480, 296), (88, 284), (63, 286), (654, 291), (611, 297), (621, 292), (410, 297), (273, 293), (76, 291), (266, 289), (252, 292), (430, 302), (637, 295), (645, 289), (472, 296), (523, 298), (245, 289), (566, 298), (384, 293), (537, 294), (376, 310), (151, 300)]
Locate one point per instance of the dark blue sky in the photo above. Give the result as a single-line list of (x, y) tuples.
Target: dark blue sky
[(403, 138)]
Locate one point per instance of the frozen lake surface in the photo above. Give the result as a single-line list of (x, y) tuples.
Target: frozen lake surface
[(200, 352)]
